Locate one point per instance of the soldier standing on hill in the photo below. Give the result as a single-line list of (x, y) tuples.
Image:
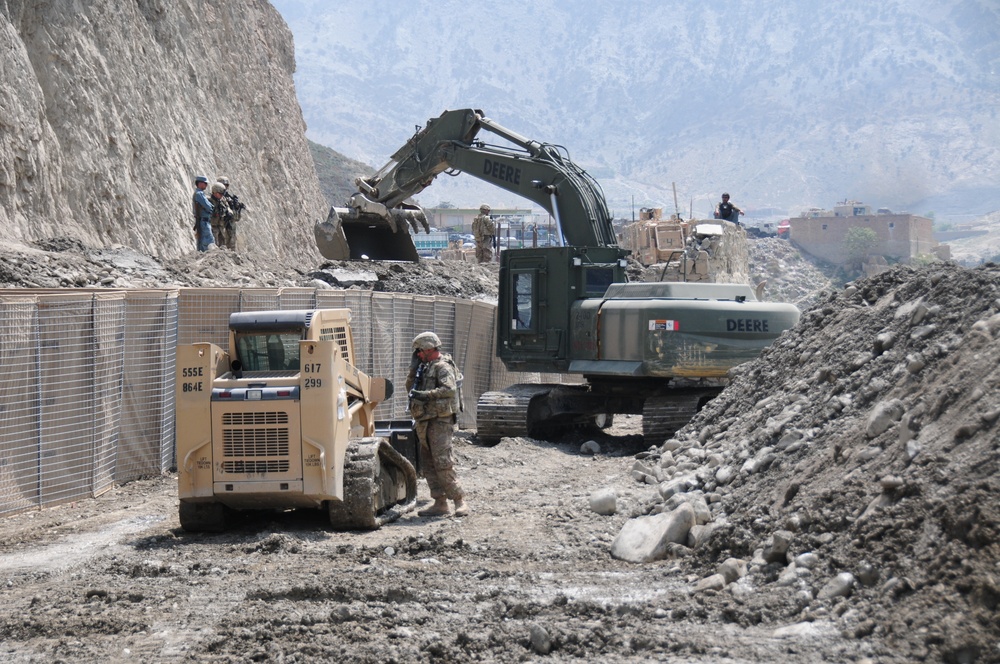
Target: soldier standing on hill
[(484, 231), (236, 207), (221, 215)]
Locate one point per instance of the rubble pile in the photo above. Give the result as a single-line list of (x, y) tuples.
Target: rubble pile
[(788, 275), (67, 263), (849, 476), (979, 248)]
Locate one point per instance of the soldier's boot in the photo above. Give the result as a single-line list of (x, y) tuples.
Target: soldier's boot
[(439, 508), (461, 509)]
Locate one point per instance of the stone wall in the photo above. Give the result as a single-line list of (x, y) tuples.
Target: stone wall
[(109, 110)]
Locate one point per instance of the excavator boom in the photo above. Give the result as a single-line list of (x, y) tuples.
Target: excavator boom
[(376, 222)]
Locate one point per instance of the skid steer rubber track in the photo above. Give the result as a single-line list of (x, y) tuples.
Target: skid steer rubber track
[(507, 413), (664, 416), (380, 485), (203, 517)]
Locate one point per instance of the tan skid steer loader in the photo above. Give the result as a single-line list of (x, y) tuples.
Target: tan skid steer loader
[(284, 419)]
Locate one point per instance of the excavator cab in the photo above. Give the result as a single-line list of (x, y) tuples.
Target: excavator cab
[(538, 287)]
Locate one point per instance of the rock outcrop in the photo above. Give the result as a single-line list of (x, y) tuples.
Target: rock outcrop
[(108, 111)]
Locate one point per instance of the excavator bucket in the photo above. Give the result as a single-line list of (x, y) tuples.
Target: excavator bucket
[(352, 235)]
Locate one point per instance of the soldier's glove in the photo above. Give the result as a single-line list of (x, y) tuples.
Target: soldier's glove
[(420, 395)]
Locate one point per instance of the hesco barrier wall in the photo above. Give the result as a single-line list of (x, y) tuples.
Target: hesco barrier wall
[(86, 392), (87, 376)]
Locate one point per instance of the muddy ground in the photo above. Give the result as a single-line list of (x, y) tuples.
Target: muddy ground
[(115, 579)]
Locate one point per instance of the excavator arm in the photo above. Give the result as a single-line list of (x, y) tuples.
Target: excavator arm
[(375, 222)]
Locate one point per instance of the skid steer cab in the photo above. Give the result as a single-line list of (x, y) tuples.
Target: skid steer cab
[(283, 419)]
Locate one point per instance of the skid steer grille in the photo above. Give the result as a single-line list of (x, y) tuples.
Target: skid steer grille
[(273, 466), (255, 442), (250, 419)]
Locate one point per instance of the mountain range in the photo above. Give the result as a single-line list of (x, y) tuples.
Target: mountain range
[(784, 105)]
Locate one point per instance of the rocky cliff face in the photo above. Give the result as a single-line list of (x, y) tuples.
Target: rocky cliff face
[(108, 111)]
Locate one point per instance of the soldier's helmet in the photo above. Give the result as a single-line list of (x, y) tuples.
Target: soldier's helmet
[(224, 181), (200, 178), (484, 208), (218, 188), (426, 341)]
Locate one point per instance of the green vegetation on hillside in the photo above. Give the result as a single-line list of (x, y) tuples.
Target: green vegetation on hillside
[(336, 173)]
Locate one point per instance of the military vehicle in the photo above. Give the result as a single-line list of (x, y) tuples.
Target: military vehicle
[(284, 419), (657, 349)]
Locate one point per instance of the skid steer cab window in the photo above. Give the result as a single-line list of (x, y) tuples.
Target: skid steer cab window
[(269, 352)]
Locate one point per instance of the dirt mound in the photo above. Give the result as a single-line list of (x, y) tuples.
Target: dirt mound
[(867, 439), (64, 262), (788, 275)]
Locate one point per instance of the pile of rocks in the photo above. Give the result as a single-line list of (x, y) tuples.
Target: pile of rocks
[(851, 473), (789, 276), (67, 263)]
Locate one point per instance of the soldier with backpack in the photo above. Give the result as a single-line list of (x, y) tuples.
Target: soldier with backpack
[(435, 402), (236, 207), (221, 215)]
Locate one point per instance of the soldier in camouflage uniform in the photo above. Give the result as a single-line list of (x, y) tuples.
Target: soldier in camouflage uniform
[(236, 207), (434, 406), (221, 215), (484, 231)]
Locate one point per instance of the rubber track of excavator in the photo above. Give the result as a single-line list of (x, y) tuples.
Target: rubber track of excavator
[(506, 413), (663, 416), (368, 462)]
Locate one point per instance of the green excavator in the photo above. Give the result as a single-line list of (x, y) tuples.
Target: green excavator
[(659, 349)]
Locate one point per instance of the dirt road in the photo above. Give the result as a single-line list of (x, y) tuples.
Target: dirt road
[(115, 579)]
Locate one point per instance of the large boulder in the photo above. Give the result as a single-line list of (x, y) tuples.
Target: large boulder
[(647, 538)]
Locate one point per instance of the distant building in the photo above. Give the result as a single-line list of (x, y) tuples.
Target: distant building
[(459, 220), (901, 237)]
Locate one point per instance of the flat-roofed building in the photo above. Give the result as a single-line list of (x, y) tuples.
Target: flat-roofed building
[(901, 237)]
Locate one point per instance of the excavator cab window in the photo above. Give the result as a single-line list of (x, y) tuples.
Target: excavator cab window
[(523, 304), (269, 351)]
